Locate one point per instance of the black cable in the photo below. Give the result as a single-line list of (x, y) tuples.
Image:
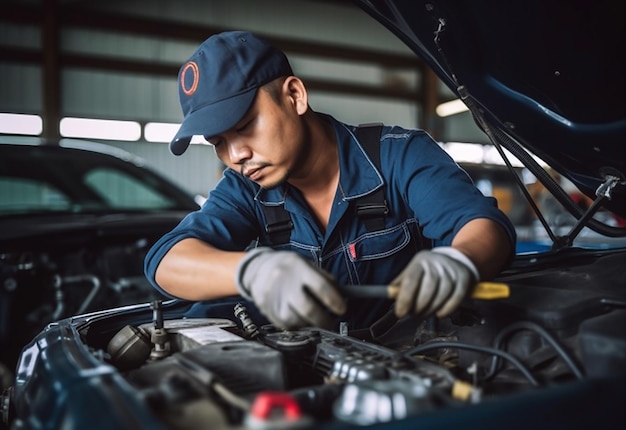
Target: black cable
[(477, 348), (529, 325)]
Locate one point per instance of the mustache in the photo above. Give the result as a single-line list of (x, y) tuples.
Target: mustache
[(250, 165)]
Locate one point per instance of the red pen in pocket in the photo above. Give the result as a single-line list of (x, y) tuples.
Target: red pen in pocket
[(352, 248)]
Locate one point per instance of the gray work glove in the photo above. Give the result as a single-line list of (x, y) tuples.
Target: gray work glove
[(434, 281), (290, 291)]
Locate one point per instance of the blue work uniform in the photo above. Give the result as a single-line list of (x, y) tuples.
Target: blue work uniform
[(430, 198)]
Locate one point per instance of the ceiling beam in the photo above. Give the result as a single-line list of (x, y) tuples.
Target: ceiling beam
[(82, 17), (152, 68)]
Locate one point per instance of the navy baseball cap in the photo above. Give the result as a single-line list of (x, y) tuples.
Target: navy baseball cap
[(218, 83)]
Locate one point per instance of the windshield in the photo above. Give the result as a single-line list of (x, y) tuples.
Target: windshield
[(36, 179)]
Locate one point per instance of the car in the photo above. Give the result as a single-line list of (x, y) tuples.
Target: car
[(542, 348), (76, 218)]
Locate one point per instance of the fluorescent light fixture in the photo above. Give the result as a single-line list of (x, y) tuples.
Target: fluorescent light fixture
[(465, 152), (160, 131), (15, 123), (200, 140), (165, 132), (100, 129), (451, 108)]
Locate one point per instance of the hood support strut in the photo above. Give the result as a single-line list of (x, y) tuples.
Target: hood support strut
[(604, 192), (478, 117)]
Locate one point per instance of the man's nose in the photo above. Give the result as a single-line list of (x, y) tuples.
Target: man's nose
[(239, 151)]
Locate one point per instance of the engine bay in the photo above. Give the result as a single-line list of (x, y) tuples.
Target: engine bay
[(215, 373), (235, 374)]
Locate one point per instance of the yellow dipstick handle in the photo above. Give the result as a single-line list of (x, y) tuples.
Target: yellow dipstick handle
[(491, 290), (482, 291)]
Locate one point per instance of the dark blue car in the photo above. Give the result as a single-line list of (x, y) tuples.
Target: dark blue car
[(543, 79)]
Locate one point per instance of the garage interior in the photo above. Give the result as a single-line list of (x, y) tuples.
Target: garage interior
[(86, 341), (118, 60)]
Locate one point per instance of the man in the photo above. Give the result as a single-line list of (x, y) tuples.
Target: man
[(240, 93)]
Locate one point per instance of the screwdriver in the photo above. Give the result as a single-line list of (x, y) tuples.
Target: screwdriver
[(482, 291)]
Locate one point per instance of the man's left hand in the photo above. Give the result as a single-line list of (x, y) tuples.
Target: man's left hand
[(434, 281)]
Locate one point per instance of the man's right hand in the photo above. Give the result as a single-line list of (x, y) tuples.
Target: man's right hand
[(290, 291)]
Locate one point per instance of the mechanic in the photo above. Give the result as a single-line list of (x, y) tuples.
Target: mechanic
[(432, 234)]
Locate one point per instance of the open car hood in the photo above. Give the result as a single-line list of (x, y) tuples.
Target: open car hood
[(544, 77)]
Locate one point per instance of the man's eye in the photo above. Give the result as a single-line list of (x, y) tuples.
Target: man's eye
[(244, 127)]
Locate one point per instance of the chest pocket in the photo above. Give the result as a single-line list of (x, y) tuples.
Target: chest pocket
[(383, 243)]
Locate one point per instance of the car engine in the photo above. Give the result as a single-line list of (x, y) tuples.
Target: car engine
[(207, 370), (555, 346), (233, 374)]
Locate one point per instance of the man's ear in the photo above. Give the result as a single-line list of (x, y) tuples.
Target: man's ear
[(294, 89)]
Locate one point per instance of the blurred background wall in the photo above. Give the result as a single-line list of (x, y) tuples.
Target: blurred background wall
[(119, 59)]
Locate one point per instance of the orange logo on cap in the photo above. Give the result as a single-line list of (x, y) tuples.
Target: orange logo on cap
[(196, 77)]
